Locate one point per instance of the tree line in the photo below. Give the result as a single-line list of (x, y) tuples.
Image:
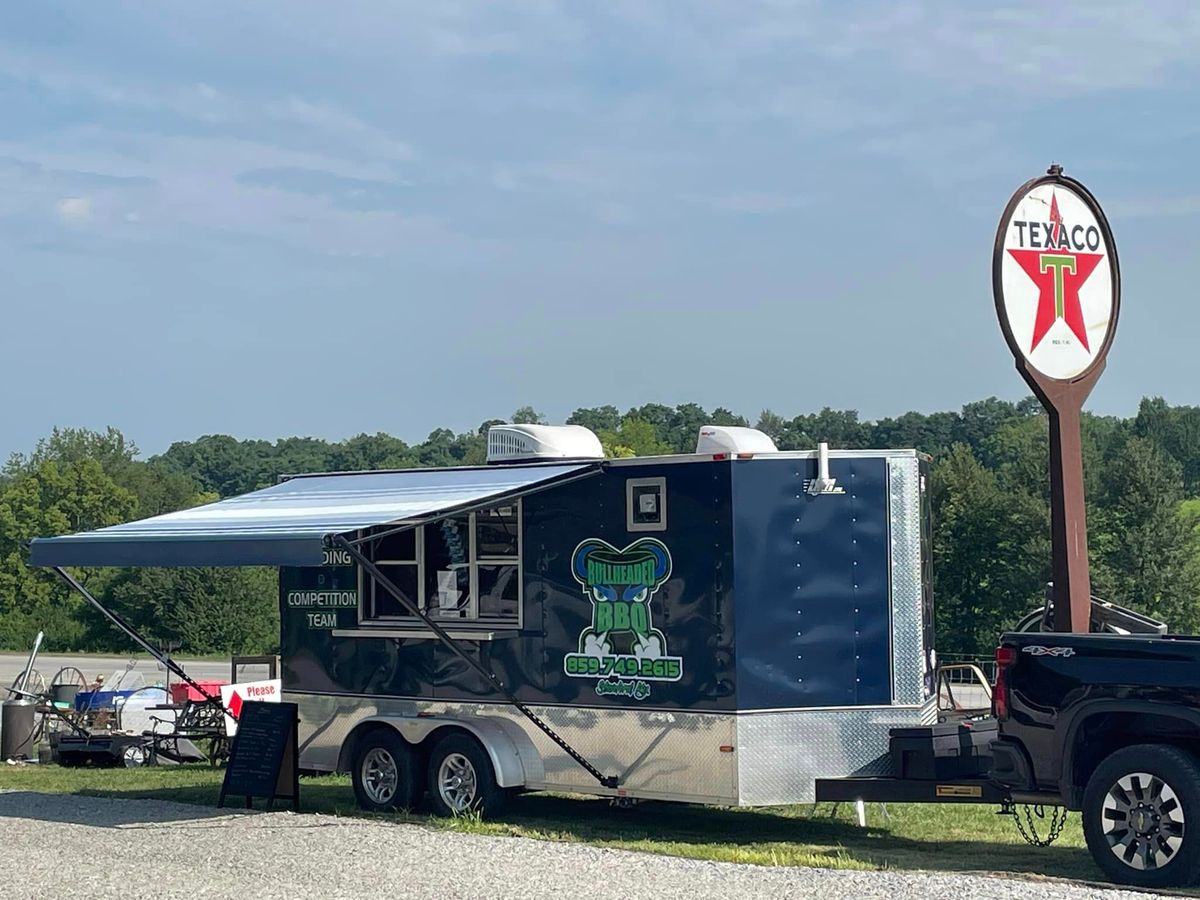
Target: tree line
[(989, 486)]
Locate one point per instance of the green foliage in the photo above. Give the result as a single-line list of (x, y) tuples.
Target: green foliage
[(205, 610), (1176, 429), (49, 498), (364, 452), (220, 463), (602, 418), (527, 415), (991, 553), (1148, 549), (633, 437), (839, 428)]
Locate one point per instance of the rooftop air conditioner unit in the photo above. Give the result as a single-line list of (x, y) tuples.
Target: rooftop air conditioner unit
[(733, 439), (519, 443)]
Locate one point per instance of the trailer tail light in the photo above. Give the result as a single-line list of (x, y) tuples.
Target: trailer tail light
[(1005, 657)]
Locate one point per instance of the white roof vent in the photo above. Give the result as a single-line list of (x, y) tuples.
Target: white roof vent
[(510, 443), (733, 439)]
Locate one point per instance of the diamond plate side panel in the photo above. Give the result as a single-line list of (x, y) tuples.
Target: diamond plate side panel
[(781, 754), (666, 755), (908, 643)]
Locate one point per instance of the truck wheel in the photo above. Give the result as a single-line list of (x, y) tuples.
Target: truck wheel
[(383, 771), (461, 778), (1141, 816)]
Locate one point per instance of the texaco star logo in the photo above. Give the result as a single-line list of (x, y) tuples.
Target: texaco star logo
[(1058, 273), (1055, 279)]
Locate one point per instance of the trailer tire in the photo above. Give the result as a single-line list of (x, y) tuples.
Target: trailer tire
[(382, 771), (462, 780), (1141, 816)]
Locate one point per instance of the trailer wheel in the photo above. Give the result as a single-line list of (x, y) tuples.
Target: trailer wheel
[(1141, 816), (383, 771), (461, 778)]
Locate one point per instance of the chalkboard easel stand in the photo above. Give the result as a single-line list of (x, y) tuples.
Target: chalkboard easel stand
[(264, 757)]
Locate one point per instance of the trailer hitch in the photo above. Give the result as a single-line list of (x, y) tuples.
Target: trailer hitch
[(1028, 829)]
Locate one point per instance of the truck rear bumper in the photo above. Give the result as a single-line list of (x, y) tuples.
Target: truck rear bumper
[(1011, 766), (909, 790)]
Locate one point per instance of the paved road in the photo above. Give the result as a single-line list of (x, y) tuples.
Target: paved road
[(101, 849), (11, 665)]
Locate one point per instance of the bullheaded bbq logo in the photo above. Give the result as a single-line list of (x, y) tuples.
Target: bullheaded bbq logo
[(622, 649)]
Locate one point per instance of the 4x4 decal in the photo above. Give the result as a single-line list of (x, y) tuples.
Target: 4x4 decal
[(1038, 650)]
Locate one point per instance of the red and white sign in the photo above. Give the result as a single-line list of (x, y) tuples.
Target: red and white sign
[(234, 695), (1057, 279)]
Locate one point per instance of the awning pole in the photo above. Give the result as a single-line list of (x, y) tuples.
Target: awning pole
[(608, 781), (141, 642)]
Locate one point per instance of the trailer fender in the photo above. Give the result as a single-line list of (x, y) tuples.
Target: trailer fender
[(515, 759)]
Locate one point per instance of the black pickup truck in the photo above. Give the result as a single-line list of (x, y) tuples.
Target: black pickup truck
[(1108, 726)]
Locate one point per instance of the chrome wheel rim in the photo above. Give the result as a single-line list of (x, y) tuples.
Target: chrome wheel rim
[(379, 775), (457, 783), (1143, 821)]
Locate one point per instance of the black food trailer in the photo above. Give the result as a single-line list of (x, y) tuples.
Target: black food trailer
[(725, 627)]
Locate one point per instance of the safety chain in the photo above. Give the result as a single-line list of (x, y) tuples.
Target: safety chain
[(1058, 819)]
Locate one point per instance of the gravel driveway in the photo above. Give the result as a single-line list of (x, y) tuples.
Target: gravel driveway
[(57, 845)]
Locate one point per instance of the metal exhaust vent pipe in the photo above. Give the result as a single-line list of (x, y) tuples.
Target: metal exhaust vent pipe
[(823, 484)]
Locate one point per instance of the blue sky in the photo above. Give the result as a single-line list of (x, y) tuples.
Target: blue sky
[(271, 218)]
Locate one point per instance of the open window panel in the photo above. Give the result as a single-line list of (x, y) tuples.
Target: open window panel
[(463, 568)]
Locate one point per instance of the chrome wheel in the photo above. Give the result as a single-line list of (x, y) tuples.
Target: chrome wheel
[(1143, 821), (379, 775), (457, 783), (134, 757)]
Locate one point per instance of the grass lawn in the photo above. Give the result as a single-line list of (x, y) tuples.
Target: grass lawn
[(941, 837)]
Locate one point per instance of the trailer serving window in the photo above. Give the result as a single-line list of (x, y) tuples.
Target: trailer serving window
[(397, 557), (464, 567)]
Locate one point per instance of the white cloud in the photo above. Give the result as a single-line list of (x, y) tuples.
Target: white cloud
[(613, 112), (74, 210), (342, 127)]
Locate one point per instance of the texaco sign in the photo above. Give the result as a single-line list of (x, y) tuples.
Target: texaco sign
[(1055, 278), (1058, 291)]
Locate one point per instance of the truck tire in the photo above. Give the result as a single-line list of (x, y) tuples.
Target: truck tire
[(382, 771), (1141, 816), (461, 778)]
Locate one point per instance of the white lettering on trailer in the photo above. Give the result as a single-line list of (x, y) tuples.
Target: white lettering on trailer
[(331, 557), (323, 599)]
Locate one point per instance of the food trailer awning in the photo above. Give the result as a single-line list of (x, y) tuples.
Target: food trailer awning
[(286, 524)]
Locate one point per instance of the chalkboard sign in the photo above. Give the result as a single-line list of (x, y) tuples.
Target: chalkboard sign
[(264, 759)]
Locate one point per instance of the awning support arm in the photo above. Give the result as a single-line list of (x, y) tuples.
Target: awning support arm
[(137, 638), (608, 781)]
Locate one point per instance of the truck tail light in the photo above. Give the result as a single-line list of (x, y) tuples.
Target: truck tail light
[(1005, 657)]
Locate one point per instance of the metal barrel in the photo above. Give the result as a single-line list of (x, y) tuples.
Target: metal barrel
[(17, 724), (64, 693)]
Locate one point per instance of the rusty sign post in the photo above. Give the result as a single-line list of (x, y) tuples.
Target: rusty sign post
[(1057, 287)]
